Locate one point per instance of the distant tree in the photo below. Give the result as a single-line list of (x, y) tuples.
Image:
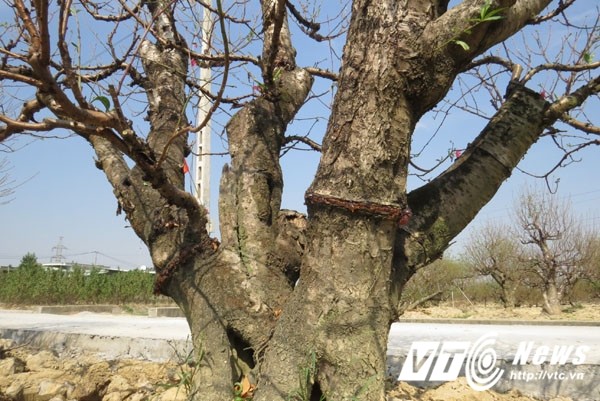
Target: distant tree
[(494, 251), (558, 249), (594, 268), (29, 261), (433, 284)]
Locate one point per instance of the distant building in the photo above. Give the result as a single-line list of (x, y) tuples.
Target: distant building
[(147, 269), (9, 268), (87, 268)]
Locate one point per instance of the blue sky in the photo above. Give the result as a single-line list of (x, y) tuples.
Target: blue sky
[(64, 195)]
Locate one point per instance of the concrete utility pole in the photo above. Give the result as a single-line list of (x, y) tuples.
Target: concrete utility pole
[(202, 146)]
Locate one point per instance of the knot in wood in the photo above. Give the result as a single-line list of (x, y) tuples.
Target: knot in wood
[(401, 215)]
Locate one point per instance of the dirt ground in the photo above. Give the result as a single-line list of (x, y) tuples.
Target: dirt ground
[(587, 312), (38, 375), (29, 374), (457, 390)]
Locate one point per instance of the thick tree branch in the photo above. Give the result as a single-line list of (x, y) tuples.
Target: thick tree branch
[(274, 20), (447, 204), (278, 51), (448, 44), (461, 23), (218, 97), (573, 100)]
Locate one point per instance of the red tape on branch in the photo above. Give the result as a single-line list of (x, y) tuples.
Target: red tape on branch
[(401, 215)]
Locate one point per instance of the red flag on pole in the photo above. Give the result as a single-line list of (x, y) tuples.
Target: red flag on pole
[(186, 168)]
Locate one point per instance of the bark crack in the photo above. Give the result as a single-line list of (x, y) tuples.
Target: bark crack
[(240, 239)]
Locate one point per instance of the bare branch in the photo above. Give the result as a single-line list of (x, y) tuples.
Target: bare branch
[(303, 139), (310, 27), (313, 26), (219, 60), (7, 186), (425, 171), (580, 125), (94, 10), (219, 95), (566, 158), (67, 65), (20, 75), (318, 72), (506, 63), (562, 6), (47, 124), (560, 67)]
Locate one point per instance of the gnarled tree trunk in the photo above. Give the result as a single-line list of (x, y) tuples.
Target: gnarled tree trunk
[(327, 335), (552, 297), (508, 295), (364, 236)]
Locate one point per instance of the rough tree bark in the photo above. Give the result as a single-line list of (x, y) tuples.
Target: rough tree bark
[(364, 235)]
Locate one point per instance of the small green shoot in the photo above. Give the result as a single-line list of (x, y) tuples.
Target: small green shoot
[(486, 14), (462, 44), (306, 379), (104, 100), (188, 368)]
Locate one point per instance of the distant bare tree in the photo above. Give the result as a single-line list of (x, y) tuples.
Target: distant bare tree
[(594, 267), (432, 284), (558, 249), (493, 251), (7, 187)]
